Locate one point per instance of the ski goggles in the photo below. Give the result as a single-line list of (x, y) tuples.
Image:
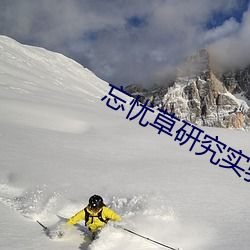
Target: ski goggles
[(94, 208)]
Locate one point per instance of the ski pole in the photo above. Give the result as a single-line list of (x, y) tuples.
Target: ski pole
[(146, 238), (45, 228)]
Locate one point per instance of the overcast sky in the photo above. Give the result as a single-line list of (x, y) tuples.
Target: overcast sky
[(131, 41)]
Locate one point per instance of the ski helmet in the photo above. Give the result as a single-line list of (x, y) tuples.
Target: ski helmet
[(95, 202)]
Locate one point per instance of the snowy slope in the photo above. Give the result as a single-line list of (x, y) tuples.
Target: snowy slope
[(59, 144)]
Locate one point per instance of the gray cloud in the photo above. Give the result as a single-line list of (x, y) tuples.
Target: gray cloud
[(136, 41), (233, 49)]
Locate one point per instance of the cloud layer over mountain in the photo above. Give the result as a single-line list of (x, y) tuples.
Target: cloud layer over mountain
[(130, 41)]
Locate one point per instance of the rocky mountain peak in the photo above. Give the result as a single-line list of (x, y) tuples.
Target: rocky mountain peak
[(201, 97), (197, 64)]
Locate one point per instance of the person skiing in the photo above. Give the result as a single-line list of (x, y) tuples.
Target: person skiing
[(95, 214)]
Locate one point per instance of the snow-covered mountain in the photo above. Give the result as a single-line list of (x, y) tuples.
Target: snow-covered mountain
[(237, 81), (202, 96), (60, 143)]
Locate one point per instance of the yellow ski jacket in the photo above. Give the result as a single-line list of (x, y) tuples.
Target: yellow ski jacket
[(94, 223)]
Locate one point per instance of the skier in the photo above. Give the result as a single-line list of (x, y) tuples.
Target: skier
[(95, 214)]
